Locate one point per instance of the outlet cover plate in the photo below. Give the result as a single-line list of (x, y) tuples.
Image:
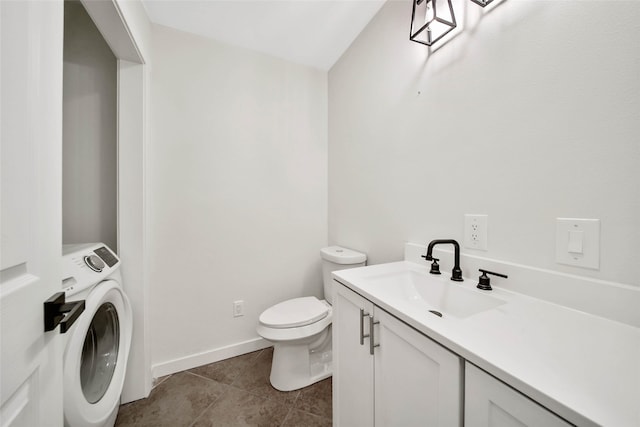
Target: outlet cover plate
[(578, 242), (475, 231), (238, 308)]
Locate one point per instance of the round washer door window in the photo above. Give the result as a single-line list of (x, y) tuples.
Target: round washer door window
[(100, 353)]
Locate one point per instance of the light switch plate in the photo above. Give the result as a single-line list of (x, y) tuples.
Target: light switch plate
[(578, 242)]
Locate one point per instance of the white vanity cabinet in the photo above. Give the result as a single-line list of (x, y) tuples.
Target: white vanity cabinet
[(352, 361), (489, 402), (404, 378)]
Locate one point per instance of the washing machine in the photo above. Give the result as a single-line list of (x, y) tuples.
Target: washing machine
[(97, 345)]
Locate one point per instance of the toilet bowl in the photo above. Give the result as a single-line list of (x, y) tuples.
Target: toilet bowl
[(300, 328)]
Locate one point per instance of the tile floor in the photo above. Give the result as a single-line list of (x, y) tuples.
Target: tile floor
[(232, 392)]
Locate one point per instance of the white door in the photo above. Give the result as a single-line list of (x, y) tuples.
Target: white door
[(352, 361), (30, 207), (418, 382)]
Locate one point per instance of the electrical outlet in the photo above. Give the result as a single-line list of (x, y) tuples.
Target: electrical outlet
[(475, 231), (238, 308)]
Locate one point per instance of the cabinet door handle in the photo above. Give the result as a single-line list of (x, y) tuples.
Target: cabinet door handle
[(362, 335), (371, 339)]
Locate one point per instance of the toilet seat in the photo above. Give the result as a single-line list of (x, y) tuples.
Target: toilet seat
[(298, 332), (294, 313)]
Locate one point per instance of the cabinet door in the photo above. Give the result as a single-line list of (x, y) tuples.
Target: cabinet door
[(491, 403), (352, 363), (417, 381)]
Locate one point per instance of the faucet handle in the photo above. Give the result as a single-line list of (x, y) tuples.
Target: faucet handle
[(435, 267), (484, 281)]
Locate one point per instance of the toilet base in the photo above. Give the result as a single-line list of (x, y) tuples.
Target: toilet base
[(297, 366)]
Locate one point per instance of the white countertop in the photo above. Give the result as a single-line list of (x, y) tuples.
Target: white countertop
[(582, 367)]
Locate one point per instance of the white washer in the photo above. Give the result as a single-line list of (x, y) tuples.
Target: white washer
[(98, 343)]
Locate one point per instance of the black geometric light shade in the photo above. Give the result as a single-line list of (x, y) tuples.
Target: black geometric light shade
[(431, 20), (482, 3)]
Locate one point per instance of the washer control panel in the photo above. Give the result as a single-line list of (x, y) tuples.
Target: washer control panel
[(94, 263), (87, 264), (106, 256)]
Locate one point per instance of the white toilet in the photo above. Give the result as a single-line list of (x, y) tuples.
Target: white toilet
[(300, 328)]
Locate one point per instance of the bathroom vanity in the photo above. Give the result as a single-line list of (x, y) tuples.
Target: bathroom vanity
[(413, 378), (412, 348)]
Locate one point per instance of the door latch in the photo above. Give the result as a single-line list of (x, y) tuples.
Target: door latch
[(57, 312)]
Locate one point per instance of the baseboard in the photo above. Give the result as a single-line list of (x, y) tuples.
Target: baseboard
[(206, 357)]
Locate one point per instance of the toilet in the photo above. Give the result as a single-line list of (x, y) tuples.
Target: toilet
[(300, 328)]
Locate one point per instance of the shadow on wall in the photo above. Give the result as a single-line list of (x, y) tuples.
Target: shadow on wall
[(90, 164), (468, 18)]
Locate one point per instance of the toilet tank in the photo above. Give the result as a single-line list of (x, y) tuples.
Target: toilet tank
[(337, 258)]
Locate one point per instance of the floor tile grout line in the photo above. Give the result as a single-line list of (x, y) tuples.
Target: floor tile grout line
[(205, 378), (330, 419), (286, 417), (220, 382), (295, 400), (257, 394), (251, 392), (211, 404), (257, 356), (204, 410), (233, 383), (315, 415), (213, 401), (251, 361), (267, 398), (164, 378)]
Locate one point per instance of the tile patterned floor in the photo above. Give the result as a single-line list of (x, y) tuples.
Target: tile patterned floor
[(232, 392)]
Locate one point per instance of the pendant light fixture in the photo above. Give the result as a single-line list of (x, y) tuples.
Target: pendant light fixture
[(432, 19), (482, 3)]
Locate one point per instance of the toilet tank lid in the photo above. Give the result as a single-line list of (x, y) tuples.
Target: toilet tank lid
[(341, 255)]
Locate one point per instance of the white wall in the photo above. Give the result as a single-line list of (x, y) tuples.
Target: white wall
[(532, 112), (89, 193), (237, 190)]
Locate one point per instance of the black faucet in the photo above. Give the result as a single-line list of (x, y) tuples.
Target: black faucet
[(456, 273)]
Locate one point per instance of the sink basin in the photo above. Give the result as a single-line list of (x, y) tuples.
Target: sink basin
[(438, 294)]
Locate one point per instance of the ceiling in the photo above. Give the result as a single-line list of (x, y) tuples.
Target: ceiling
[(308, 32)]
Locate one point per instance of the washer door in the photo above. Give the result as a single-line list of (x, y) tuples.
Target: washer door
[(96, 357)]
